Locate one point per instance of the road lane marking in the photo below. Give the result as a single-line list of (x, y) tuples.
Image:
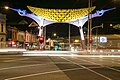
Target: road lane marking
[(109, 60), (16, 60), (48, 72), (100, 65), (88, 69), (31, 75), (22, 66), (5, 58), (62, 63)]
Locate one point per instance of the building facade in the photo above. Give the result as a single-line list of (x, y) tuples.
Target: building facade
[(30, 39), (26, 39), (19, 39), (2, 31), (106, 41), (111, 41), (12, 36)]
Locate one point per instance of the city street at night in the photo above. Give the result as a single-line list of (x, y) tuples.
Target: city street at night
[(78, 67), (60, 40)]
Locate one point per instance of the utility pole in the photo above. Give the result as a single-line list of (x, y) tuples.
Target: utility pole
[(89, 25), (69, 37), (44, 35), (25, 40)]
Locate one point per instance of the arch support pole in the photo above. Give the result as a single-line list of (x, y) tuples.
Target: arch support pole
[(82, 38)]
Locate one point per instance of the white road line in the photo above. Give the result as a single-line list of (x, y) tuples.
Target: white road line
[(21, 66), (62, 62), (100, 65), (16, 60), (91, 62), (1, 58), (47, 73), (13, 78), (109, 60), (88, 69)]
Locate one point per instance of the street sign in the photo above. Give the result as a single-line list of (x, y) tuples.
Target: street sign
[(103, 39)]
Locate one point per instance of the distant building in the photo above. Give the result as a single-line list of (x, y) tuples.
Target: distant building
[(106, 41), (31, 37), (21, 39), (12, 36), (112, 41), (26, 39), (2, 31)]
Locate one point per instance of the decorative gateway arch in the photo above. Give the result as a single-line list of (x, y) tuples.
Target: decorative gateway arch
[(77, 17)]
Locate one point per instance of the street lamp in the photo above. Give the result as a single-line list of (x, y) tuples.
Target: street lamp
[(96, 33), (54, 34), (89, 23), (6, 7), (98, 26)]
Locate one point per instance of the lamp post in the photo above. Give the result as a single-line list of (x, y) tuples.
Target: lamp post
[(69, 37), (97, 26), (96, 33), (44, 35), (89, 24)]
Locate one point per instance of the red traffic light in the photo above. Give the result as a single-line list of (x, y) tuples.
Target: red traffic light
[(90, 40), (41, 39)]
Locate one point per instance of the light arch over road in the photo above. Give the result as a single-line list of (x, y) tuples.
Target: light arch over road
[(77, 17)]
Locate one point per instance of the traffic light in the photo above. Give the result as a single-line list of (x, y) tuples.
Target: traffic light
[(90, 39), (41, 39), (57, 47)]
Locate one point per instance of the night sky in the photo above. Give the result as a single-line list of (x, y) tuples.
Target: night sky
[(111, 17)]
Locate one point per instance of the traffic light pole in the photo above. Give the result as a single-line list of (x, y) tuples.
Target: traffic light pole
[(69, 38), (44, 35), (90, 25), (82, 38)]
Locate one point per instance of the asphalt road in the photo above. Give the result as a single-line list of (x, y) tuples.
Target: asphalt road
[(18, 67)]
